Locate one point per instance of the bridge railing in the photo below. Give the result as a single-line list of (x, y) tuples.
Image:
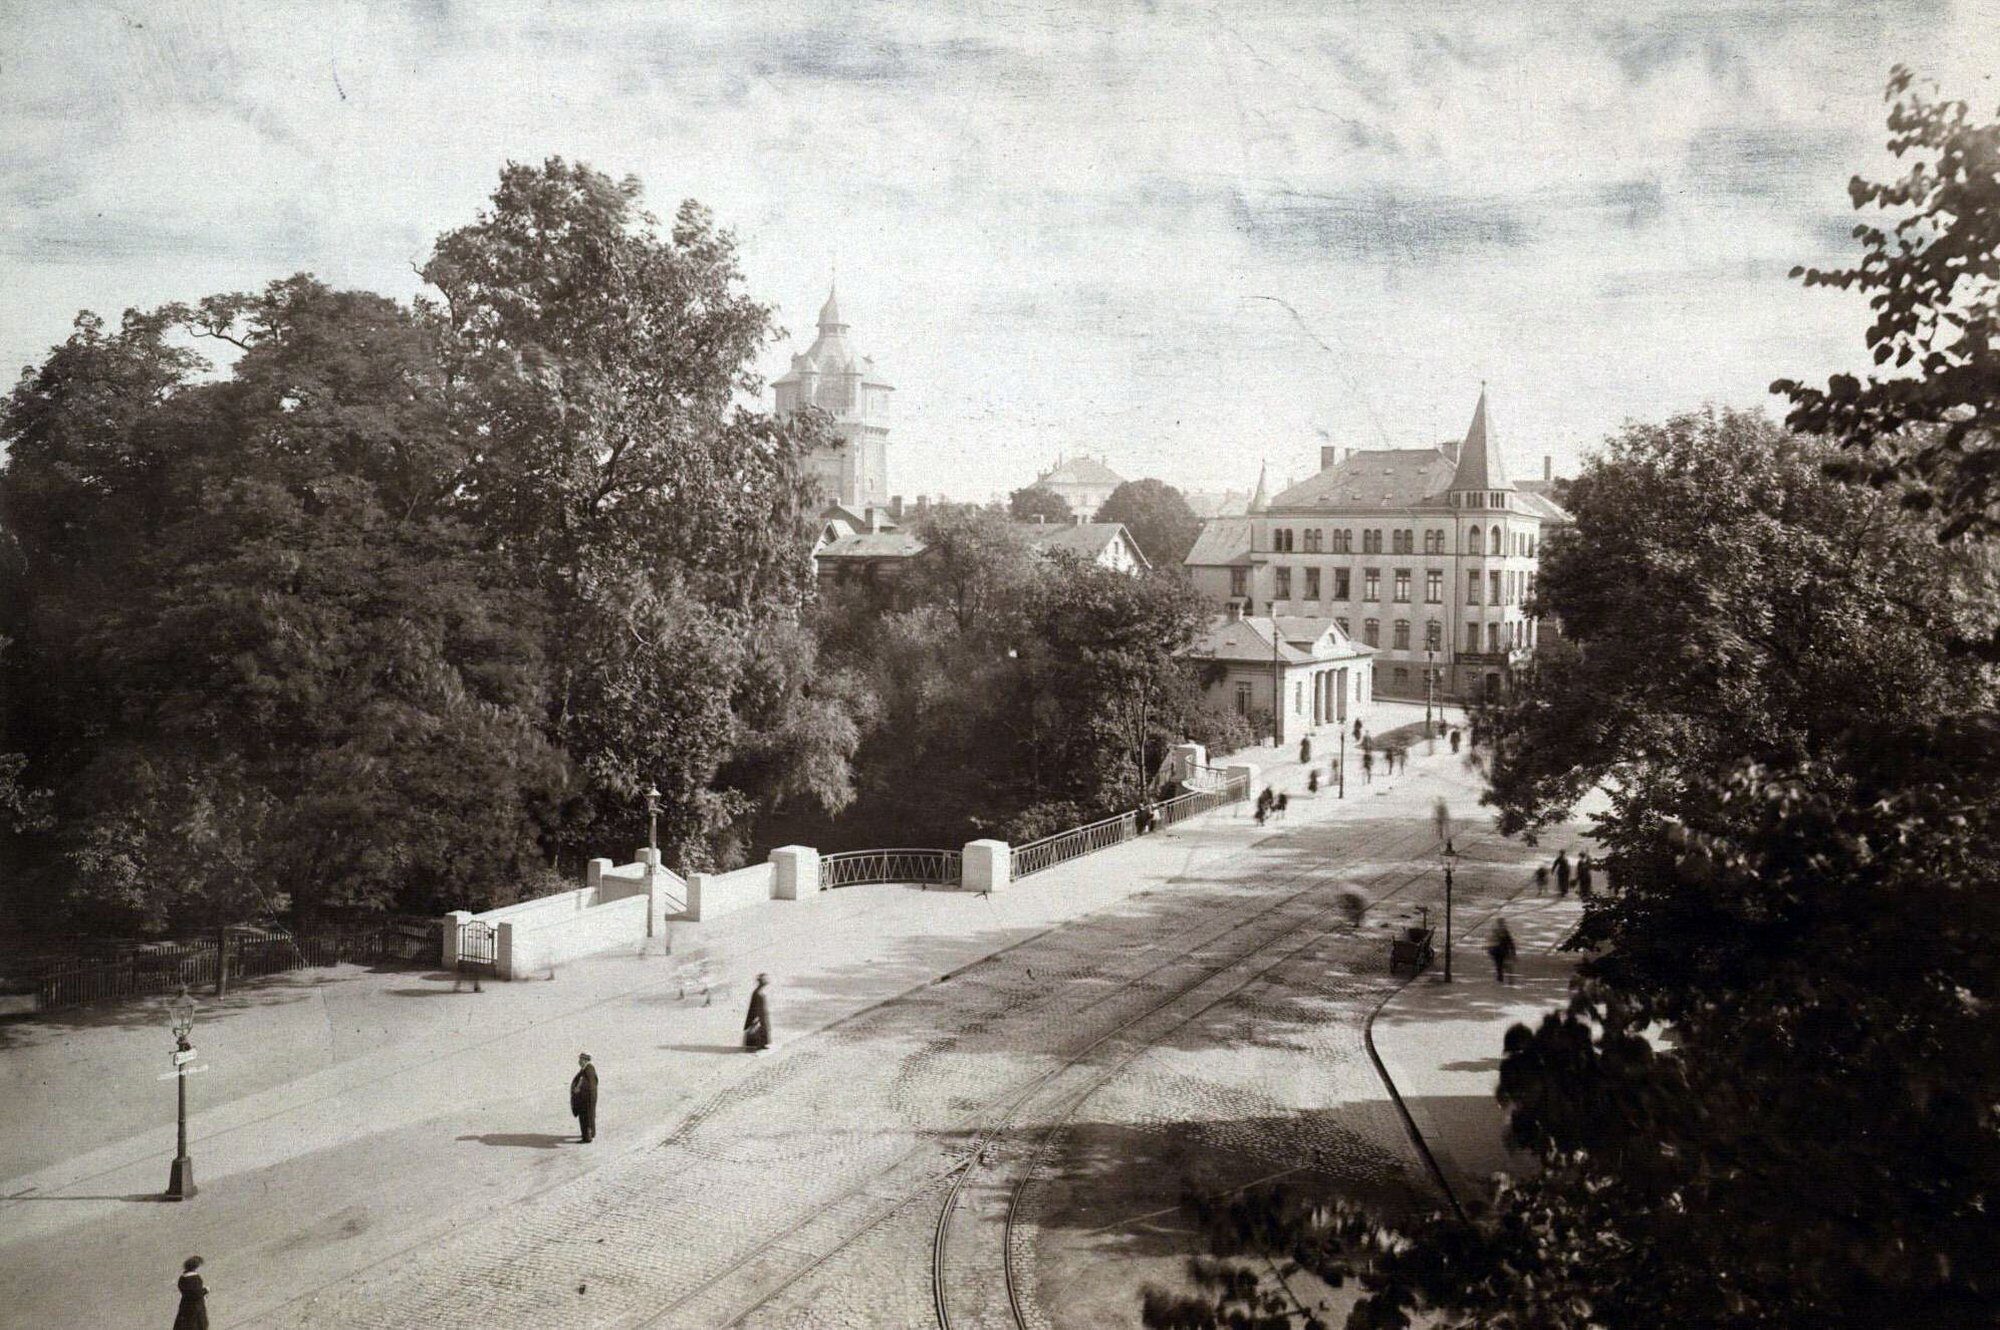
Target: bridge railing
[(852, 868), (1037, 855), (1196, 802)]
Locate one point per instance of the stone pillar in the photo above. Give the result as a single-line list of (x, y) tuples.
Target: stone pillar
[(797, 875), (988, 865), (503, 950), (453, 921), (1248, 772), (593, 874), (1186, 758), (695, 882)]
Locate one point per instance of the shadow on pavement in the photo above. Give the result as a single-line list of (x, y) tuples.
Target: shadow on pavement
[(528, 1140), (701, 1048), (137, 1198)]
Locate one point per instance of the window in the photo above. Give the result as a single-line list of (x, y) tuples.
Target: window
[(1284, 591), (1239, 581), (1492, 637), (1343, 542), (1243, 699), (1434, 542), (1371, 542), (1402, 634), (1341, 586), (1473, 544), (1314, 537), (1472, 637), (1402, 542), (1371, 584), (1281, 540), (1493, 542), (1298, 697), (1434, 587), (1312, 584), (1371, 632), (1403, 586), (1402, 678), (1493, 587), (1344, 629), (1472, 587), (1434, 636)]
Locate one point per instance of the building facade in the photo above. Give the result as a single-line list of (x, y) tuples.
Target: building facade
[(1294, 674), (1428, 555), (853, 471), (1106, 544), (1084, 483)]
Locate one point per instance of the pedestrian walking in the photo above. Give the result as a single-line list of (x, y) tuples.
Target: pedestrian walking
[(1265, 802), (1284, 802), (1312, 781), (1357, 729), (1584, 870), (1541, 879), (1142, 819), (757, 1022), (193, 1313), (1367, 766), (1454, 742), (1562, 874), (583, 1098), (1305, 749), (1501, 949)]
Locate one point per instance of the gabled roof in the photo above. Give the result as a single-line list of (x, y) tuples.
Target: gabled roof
[(1379, 478), (1480, 466), (1081, 471), (1089, 539), (1300, 640), (872, 545), (1223, 542)]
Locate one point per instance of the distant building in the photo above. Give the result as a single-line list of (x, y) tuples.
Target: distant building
[(1308, 665), (829, 375), (1427, 554), (1106, 544), (1084, 483), (1208, 504), (868, 548)]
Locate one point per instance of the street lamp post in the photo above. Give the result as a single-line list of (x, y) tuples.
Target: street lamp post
[(180, 1019), (653, 818), (1450, 857), (1343, 761), (1430, 687)]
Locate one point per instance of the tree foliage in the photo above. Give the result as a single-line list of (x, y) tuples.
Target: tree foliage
[(412, 599), (1038, 503), (1157, 516), (1931, 431)]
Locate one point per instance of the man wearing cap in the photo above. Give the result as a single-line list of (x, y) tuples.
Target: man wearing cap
[(583, 1098)]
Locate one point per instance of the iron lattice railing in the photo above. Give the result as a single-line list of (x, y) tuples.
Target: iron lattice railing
[(1063, 846), (852, 868), (166, 966)]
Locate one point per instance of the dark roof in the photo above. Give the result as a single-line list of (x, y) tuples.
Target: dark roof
[(1480, 466), (1222, 542), (872, 545), (1090, 539), (1377, 478)]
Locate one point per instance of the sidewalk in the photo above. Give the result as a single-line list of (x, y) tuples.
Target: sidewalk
[(350, 1115), (1442, 1043)]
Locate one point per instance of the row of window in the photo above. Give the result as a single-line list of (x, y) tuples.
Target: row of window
[(1503, 586), (1496, 636), (1320, 540)]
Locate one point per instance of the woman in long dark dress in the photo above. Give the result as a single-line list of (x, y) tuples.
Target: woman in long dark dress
[(193, 1314), (757, 1024)]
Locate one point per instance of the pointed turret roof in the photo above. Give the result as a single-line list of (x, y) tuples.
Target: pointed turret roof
[(829, 313), (1262, 498), (1479, 464)]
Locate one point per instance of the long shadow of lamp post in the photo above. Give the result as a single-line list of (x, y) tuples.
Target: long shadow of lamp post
[(180, 1017)]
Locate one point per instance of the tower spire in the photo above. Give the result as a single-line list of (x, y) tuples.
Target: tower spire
[(1479, 463), (1261, 499)]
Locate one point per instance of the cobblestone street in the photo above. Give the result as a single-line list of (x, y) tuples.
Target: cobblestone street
[(1008, 1139)]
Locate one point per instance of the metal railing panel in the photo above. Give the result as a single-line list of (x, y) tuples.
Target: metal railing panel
[(852, 868)]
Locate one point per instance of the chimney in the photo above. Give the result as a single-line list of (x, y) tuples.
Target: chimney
[(1548, 467), (1329, 456), (896, 508), (1232, 609), (923, 503), (874, 518), (1347, 455)]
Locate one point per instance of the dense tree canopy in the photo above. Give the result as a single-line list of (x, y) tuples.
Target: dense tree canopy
[(1157, 516), (410, 600), (1038, 503)]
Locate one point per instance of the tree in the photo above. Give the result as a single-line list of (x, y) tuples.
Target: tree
[(1158, 518), (1038, 503), (1933, 280), (974, 564)]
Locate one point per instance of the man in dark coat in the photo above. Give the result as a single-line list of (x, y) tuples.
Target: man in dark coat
[(583, 1098), (1305, 750), (757, 1023), (1584, 870), (193, 1313), (1454, 741), (1562, 874)]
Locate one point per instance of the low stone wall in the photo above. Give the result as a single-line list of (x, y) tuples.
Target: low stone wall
[(526, 948), (711, 895)]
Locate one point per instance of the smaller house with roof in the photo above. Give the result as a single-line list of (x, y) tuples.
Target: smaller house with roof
[(1106, 544), (1084, 483), (863, 547), (1315, 674)]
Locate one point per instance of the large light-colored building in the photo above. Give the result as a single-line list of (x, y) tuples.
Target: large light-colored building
[(831, 376), (1084, 483), (1427, 554)]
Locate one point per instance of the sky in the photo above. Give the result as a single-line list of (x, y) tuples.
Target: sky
[(1189, 239)]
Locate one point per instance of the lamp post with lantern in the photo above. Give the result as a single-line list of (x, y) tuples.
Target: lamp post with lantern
[(1450, 858), (180, 1019), (653, 818)]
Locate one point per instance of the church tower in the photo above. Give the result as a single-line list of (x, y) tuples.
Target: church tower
[(853, 471)]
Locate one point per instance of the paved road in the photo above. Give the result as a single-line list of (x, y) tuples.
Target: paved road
[(1225, 1011)]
